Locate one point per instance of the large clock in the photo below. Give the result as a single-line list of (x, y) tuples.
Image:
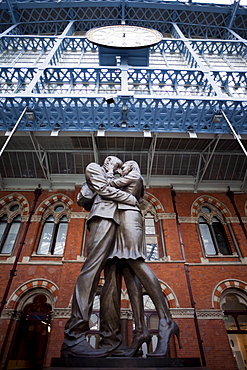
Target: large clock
[(124, 36)]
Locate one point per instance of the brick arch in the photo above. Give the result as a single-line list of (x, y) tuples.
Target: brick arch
[(168, 292), (222, 286), (170, 295), (51, 200), (211, 200), (32, 284), (154, 201), (16, 197)]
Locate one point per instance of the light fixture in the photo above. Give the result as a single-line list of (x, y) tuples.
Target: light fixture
[(55, 132), (124, 108), (30, 116), (147, 133), (118, 60), (109, 99), (217, 118), (192, 134), (124, 124), (101, 132)]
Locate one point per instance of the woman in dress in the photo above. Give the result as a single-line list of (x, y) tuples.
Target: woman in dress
[(129, 248)]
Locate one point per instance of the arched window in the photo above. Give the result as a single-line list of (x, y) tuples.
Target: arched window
[(151, 238), (54, 232), (151, 316), (234, 304), (9, 227), (32, 334), (212, 232)]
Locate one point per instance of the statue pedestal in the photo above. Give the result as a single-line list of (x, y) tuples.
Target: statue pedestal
[(125, 363)]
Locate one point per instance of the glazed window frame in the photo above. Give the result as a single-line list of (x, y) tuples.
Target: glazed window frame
[(212, 234), (153, 252), (54, 231), (235, 317), (10, 226)]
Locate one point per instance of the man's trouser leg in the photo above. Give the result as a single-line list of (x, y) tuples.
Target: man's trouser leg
[(110, 300), (102, 233)]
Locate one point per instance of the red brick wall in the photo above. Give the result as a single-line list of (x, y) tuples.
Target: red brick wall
[(204, 277)]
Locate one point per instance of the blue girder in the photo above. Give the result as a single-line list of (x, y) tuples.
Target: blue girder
[(153, 13), (162, 98), (92, 113)]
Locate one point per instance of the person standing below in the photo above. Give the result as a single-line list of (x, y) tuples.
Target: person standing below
[(103, 221), (129, 248)]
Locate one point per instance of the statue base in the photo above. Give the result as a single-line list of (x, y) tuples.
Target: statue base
[(125, 363)]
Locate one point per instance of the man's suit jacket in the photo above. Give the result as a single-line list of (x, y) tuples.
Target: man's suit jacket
[(107, 199), (132, 183)]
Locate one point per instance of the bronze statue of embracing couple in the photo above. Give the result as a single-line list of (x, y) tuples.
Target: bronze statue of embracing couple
[(116, 244)]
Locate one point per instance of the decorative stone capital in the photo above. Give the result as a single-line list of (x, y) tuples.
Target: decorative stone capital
[(166, 216), (188, 220), (79, 215), (210, 314)]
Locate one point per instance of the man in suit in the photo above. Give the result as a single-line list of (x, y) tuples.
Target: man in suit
[(102, 222)]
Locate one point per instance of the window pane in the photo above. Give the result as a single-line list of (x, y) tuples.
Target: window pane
[(94, 322), (45, 240), (207, 239), (221, 238), (59, 208), (14, 207), (154, 321), (149, 226), (2, 228), (148, 303), (61, 238), (50, 218), (96, 303), (152, 252), (206, 209), (10, 240)]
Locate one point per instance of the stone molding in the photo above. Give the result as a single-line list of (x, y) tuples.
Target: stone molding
[(166, 216), (160, 216), (177, 313), (79, 214), (36, 218), (188, 220), (210, 314), (188, 313), (194, 220)]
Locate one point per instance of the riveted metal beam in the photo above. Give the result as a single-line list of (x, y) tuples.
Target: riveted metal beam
[(205, 156)]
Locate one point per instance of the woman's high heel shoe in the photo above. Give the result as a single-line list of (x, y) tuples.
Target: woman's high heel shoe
[(166, 331), (139, 338)]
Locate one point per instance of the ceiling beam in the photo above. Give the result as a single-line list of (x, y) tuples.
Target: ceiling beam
[(95, 148), (206, 155), (41, 155), (151, 153), (235, 134), (11, 133)]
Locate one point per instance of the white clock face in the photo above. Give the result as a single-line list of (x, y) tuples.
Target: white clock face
[(124, 37)]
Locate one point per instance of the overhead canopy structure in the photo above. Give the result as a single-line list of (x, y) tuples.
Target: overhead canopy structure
[(182, 115)]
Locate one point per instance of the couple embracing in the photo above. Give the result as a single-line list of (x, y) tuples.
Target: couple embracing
[(116, 244)]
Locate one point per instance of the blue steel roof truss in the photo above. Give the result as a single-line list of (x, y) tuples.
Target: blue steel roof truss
[(199, 69), (72, 96), (164, 98)]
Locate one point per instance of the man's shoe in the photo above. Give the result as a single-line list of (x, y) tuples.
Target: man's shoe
[(83, 349)]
